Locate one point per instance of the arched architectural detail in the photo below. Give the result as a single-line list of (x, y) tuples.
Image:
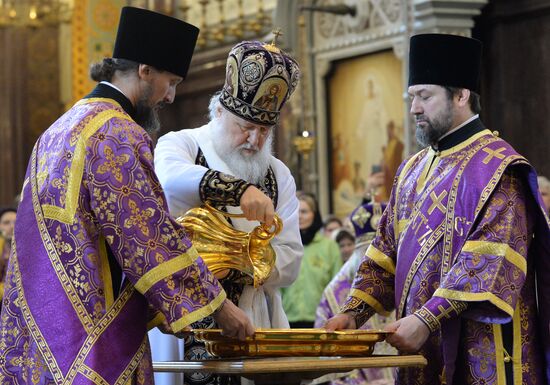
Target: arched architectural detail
[(378, 25)]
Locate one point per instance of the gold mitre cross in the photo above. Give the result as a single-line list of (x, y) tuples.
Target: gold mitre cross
[(271, 46)]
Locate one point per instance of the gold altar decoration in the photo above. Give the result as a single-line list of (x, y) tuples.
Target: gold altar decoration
[(226, 21), (292, 343), (34, 13), (222, 247), (304, 144)]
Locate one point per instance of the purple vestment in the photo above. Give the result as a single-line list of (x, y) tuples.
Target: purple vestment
[(458, 246), (91, 203), (333, 297)]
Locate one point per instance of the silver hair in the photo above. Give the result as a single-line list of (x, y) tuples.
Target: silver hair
[(214, 105), (544, 183)]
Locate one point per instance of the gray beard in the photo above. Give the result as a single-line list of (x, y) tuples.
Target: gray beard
[(252, 169), (429, 135)]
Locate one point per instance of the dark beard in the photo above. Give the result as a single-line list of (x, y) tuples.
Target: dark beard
[(146, 116), (435, 128)]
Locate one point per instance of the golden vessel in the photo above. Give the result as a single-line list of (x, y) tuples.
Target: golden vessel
[(292, 342), (223, 247)]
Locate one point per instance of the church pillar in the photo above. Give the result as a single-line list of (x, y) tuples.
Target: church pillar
[(443, 16)]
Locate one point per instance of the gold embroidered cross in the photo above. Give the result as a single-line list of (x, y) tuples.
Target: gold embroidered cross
[(493, 154), (361, 216), (436, 201), (447, 313)]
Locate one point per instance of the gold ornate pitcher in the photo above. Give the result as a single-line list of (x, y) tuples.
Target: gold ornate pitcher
[(223, 247)]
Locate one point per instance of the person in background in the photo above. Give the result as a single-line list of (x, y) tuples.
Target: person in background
[(346, 242), (365, 220), (97, 259), (331, 224), (544, 187), (7, 222), (462, 251), (321, 261)]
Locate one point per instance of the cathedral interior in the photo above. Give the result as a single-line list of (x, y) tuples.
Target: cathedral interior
[(350, 114)]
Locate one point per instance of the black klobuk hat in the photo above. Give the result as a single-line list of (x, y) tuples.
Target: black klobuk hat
[(445, 60), (161, 41)]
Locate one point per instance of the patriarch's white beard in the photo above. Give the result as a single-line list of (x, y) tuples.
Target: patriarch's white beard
[(251, 168)]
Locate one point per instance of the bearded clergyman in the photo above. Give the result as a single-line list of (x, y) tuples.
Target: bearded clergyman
[(229, 163), (96, 258), (462, 251)]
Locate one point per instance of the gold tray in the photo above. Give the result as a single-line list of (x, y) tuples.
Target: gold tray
[(292, 342)]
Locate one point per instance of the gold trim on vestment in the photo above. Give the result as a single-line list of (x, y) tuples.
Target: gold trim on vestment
[(127, 374), (110, 315), (67, 214), (106, 272), (447, 257), (198, 314), (517, 345), (370, 300), (99, 100), (36, 333), (53, 255), (488, 190), (93, 376), (499, 354), (431, 188), (431, 164), (156, 321), (401, 224), (381, 259), (417, 262), (397, 225), (429, 318), (445, 227), (466, 143), (94, 329), (497, 249), (166, 269), (475, 297)]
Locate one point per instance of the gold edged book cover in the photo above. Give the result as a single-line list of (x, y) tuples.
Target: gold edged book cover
[(292, 342)]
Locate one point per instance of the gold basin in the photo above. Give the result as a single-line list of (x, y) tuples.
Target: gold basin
[(292, 342)]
